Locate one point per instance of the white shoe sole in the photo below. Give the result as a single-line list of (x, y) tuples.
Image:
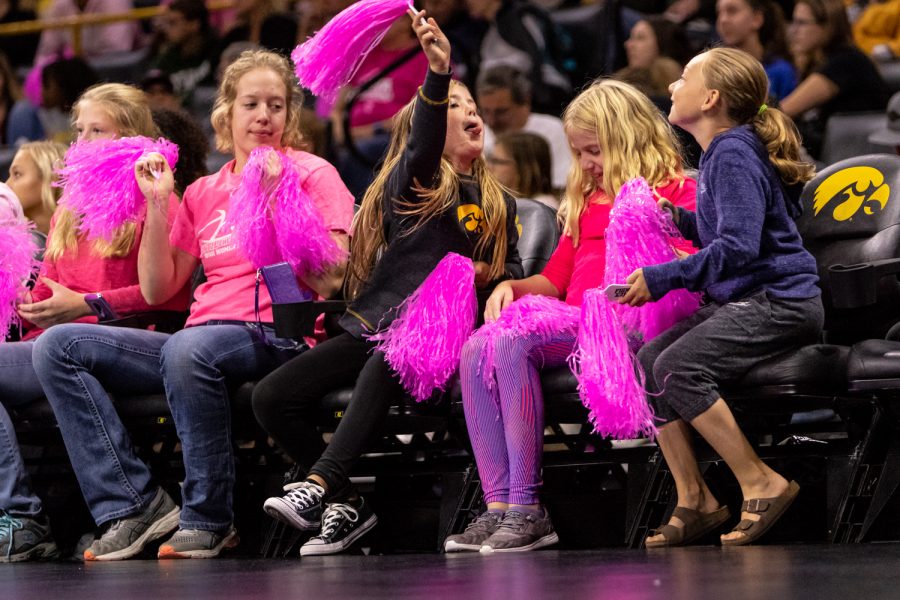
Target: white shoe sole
[(454, 546), (547, 540), (158, 529), (282, 510), (308, 549), (229, 541)]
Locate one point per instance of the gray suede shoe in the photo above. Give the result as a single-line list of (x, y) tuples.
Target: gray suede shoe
[(521, 532)]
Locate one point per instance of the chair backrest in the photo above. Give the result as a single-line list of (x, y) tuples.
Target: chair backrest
[(851, 214), (847, 135), (538, 234)]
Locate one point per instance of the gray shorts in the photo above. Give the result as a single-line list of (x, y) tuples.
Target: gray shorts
[(717, 345)]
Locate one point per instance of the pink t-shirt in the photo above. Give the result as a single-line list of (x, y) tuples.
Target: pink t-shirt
[(229, 291), (573, 270), (382, 101), (83, 271)]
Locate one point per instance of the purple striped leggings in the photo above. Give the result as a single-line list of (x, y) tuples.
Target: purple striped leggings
[(506, 423)]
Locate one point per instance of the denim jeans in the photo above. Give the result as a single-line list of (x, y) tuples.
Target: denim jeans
[(78, 364), (18, 385)]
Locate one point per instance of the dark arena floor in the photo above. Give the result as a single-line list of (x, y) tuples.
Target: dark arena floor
[(764, 572)]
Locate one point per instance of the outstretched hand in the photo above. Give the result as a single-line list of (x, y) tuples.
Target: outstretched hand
[(433, 41)]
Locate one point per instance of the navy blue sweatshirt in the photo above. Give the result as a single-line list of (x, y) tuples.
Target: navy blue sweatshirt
[(413, 253), (748, 241)]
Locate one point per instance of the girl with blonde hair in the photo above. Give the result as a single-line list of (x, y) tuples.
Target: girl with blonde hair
[(31, 176), (228, 339), (433, 195), (759, 279), (73, 268), (616, 134)]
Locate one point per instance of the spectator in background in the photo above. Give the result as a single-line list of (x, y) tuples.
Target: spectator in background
[(260, 22), (13, 107), (96, 40), (757, 27), (463, 32), (19, 49), (32, 175), (188, 53), (657, 51), (387, 79), (835, 76), (521, 161), (193, 148), (504, 100), (877, 30), (62, 83), (522, 36), (160, 91)]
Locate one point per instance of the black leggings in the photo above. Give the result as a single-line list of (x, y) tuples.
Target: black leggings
[(286, 403)]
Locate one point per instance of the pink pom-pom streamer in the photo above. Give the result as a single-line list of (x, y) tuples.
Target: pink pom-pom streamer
[(604, 366), (424, 342), (17, 250), (279, 221), (641, 234), (543, 316), (99, 184), (327, 62)]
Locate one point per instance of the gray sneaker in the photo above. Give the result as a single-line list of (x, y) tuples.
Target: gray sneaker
[(196, 543), (475, 534), (127, 537), (301, 507), (520, 532), (23, 538)]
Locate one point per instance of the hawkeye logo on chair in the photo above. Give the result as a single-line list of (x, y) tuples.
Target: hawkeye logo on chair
[(471, 217), (848, 190)]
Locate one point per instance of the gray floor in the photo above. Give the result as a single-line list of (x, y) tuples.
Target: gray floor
[(764, 573)]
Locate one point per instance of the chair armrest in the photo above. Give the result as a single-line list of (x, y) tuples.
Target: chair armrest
[(855, 286), (165, 321), (298, 319)]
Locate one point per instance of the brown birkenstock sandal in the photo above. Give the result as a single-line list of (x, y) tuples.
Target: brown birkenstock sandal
[(696, 525), (769, 511)]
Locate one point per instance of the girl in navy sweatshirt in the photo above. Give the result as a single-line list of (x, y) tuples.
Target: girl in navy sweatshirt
[(759, 280), (433, 195)]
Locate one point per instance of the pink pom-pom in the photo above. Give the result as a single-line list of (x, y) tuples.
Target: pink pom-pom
[(424, 343), (279, 222), (543, 316), (604, 366), (99, 184), (17, 250), (641, 234), (327, 62)]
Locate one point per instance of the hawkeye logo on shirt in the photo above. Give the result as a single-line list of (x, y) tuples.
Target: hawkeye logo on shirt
[(852, 189), (470, 217)]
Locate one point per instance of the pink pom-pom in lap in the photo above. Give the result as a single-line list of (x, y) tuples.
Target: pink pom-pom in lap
[(99, 184), (424, 342), (276, 219), (17, 250)]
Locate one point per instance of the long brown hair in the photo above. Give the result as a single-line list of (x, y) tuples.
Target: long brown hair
[(832, 15), (368, 241), (743, 86), (127, 107)]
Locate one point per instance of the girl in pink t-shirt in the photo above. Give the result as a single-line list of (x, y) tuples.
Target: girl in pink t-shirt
[(73, 267), (224, 343), (616, 134)]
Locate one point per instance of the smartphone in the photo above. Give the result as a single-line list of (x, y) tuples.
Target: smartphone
[(100, 307), (282, 284), (614, 291)]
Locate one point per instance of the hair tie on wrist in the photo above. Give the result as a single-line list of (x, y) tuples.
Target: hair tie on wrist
[(762, 109)]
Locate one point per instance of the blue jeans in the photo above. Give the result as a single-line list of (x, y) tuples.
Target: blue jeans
[(78, 364), (18, 385)]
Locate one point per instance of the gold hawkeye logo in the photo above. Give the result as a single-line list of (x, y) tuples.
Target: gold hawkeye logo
[(852, 189)]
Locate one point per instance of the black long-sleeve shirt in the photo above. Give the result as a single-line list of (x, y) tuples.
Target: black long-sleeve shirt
[(413, 253)]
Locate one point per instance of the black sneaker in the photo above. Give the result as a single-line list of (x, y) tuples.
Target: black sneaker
[(521, 532), (127, 537), (301, 507), (23, 538), (342, 524), (475, 534)]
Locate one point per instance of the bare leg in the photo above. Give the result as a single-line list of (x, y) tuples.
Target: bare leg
[(674, 440), (757, 480)]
